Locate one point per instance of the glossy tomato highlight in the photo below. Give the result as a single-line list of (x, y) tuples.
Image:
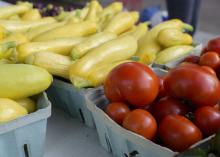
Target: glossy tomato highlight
[(117, 111), (191, 82), (178, 133), (132, 83), (141, 122), (208, 119), (168, 106)]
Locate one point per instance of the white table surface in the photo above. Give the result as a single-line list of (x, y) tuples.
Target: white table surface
[(67, 137)]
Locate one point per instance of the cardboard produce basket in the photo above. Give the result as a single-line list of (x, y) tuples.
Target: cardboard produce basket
[(119, 141), (71, 100), (25, 136)]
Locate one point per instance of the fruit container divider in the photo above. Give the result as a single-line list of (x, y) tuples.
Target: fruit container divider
[(121, 142), (25, 136)]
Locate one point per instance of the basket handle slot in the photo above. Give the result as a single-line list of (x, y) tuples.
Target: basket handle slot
[(26, 152)]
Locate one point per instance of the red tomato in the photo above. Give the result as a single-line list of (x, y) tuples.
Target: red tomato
[(192, 59), (141, 122), (210, 59), (217, 106), (162, 92), (132, 82), (191, 82), (117, 111), (208, 119), (167, 106), (209, 70), (214, 45), (178, 133)]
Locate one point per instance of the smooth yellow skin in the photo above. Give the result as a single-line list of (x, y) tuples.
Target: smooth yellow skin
[(112, 9), (55, 64), (121, 22), (20, 80), (91, 42), (139, 31), (14, 17), (23, 26), (94, 8), (7, 11), (61, 46), (28, 104), (32, 33), (172, 53), (31, 15), (80, 29), (170, 37), (18, 38), (98, 76), (115, 50), (4, 47), (10, 110), (148, 47), (2, 33)]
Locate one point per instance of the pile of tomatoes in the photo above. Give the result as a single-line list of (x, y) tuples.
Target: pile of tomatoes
[(176, 110)]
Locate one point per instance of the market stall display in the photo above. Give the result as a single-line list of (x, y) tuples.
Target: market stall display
[(155, 83)]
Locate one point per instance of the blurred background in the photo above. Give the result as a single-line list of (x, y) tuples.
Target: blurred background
[(208, 24)]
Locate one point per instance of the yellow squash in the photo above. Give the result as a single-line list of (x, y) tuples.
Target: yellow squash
[(4, 47), (20, 80), (98, 75), (61, 46), (84, 28), (28, 104), (148, 46), (31, 15), (20, 8), (170, 37), (139, 31), (32, 33), (91, 42), (14, 17), (122, 22), (22, 26), (18, 38), (115, 50), (2, 33), (10, 110), (94, 9), (111, 9), (55, 64), (172, 53)]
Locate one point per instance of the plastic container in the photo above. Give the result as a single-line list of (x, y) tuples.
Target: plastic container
[(119, 141), (71, 100), (25, 136)]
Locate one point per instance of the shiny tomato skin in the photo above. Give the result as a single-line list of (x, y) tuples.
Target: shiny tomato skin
[(214, 45), (209, 70), (178, 133), (117, 111), (191, 82), (133, 83), (141, 122), (162, 92), (167, 106), (208, 120), (210, 59)]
